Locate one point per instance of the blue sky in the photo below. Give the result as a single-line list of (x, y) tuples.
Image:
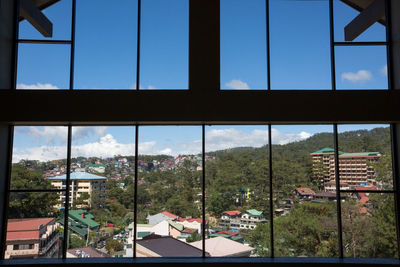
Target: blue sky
[(105, 58)]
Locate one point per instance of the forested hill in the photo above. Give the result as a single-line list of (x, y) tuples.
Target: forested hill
[(291, 164), (375, 140)]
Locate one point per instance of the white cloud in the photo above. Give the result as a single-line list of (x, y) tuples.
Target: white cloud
[(151, 87), (284, 138), (237, 84), (358, 77), (384, 71), (54, 134), (38, 86), (108, 146)]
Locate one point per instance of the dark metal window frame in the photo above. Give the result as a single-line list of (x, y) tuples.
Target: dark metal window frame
[(204, 62)]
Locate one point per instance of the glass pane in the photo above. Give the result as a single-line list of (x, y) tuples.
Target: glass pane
[(365, 159), (361, 67), (369, 226), (169, 191), (106, 40), (164, 54), (34, 228), (39, 154), (43, 66), (102, 191), (304, 209), (243, 45), (345, 13), (237, 190), (59, 14), (300, 45)]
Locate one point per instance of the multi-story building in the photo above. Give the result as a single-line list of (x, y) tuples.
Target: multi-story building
[(355, 169), (32, 238), (230, 219), (250, 218), (81, 182)]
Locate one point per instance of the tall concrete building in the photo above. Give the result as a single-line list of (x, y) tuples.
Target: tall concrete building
[(355, 169), (81, 182)]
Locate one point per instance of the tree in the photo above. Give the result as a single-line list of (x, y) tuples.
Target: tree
[(82, 201), (114, 246), (76, 242), (31, 205), (194, 237)]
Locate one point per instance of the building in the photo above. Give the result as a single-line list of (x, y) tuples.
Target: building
[(166, 246), (230, 219), (159, 217), (354, 168), (100, 168), (82, 182), (250, 218), (224, 247), (80, 222), (32, 238), (304, 193)]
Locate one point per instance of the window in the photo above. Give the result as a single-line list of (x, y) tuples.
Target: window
[(263, 142)]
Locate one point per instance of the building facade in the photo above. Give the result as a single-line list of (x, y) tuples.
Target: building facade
[(355, 169), (81, 182), (32, 238)]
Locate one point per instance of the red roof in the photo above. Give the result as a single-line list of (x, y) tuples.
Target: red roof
[(305, 191), (27, 224), (189, 230), (192, 220), (23, 235), (227, 233), (232, 212), (169, 214), (18, 229), (359, 188), (364, 200)]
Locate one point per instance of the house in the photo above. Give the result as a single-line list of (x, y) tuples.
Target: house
[(80, 222), (250, 218), (224, 247), (304, 193), (159, 217), (230, 219), (192, 223), (32, 238), (166, 246), (100, 168)]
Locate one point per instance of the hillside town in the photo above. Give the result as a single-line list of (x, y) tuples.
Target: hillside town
[(165, 234)]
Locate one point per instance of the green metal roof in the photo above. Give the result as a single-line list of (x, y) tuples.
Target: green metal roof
[(88, 220), (324, 150), (254, 212), (178, 226), (360, 154), (216, 235), (143, 234)]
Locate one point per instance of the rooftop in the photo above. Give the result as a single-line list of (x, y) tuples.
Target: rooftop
[(169, 214), (167, 246), (28, 228), (232, 212), (254, 212), (360, 154), (79, 176), (87, 252), (87, 219), (223, 247)]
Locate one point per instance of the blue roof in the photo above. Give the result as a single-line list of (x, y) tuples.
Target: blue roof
[(79, 176)]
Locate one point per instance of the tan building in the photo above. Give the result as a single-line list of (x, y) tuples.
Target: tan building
[(354, 168), (32, 238), (81, 182)]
